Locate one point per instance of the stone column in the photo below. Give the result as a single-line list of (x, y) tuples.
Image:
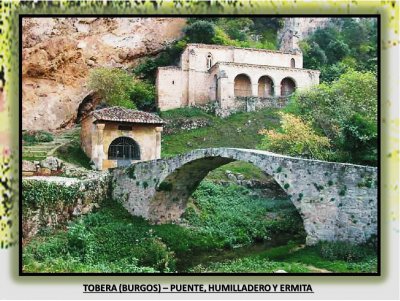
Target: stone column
[(99, 147), (159, 129), (254, 89), (225, 89)]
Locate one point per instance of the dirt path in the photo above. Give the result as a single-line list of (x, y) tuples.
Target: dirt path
[(314, 269)]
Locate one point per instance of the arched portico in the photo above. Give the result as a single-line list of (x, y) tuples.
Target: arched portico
[(265, 87), (242, 86), (288, 86)]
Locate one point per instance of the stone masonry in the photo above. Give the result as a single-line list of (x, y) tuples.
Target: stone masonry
[(336, 201), (222, 74)]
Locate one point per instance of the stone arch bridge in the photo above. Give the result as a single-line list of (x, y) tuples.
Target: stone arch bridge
[(336, 201)]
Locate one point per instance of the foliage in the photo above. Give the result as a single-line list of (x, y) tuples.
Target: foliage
[(343, 251), (311, 256), (345, 111), (111, 237), (344, 40), (143, 94), (147, 69), (200, 32), (360, 139), (34, 137), (251, 265), (113, 86), (235, 217), (38, 194), (110, 240), (295, 137)]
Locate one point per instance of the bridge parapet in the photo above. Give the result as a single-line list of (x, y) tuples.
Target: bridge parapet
[(336, 201)]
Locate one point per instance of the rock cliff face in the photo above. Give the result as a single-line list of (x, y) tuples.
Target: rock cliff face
[(57, 54), (296, 29)]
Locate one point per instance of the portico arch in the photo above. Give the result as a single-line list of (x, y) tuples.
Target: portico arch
[(242, 85), (288, 86), (265, 87)]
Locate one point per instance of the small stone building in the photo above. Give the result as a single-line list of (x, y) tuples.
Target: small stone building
[(229, 76), (115, 136)]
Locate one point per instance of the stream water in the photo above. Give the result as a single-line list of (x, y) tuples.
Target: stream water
[(205, 258)]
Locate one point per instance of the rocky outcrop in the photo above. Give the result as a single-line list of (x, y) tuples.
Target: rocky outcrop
[(58, 53), (296, 29)]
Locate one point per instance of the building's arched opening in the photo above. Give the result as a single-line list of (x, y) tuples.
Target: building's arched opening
[(242, 86), (288, 86), (292, 63), (209, 60), (124, 148), (216, 88), (265, 87)]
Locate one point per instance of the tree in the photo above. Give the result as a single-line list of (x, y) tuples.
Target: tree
[(113, 86), (200, 32), (345, 111), (143, 94), (296, 138), (341, 43)]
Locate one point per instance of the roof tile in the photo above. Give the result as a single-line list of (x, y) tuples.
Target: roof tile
[(126, 115)]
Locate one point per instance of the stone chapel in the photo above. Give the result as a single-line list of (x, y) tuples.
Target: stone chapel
[(232, 77)]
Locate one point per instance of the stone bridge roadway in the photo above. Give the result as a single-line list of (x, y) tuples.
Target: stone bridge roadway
[(336, 201)]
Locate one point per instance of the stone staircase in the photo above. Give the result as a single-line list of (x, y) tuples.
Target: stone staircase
[(42, 150)]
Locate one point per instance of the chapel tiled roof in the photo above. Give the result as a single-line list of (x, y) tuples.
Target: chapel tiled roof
[(126, 115)]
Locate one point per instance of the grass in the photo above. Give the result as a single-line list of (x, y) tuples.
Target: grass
[(248, 170), (293, 259), (251, 265), (311, 256), (238, 130), (73, 153), (35, 137)]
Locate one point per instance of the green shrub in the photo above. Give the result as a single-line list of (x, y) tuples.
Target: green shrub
[(113, 86), (146, 70), (38, 194), (143, 94), (296, 138), (200, 32), (344, 111), (34, 137), (342, 251)]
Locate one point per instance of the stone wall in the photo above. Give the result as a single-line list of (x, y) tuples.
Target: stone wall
[(169, 88), (336, 201), (50, 202)]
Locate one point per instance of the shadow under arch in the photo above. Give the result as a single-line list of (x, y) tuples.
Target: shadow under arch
[(173, 192)]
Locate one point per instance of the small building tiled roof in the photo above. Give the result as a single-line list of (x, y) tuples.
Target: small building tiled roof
[(120, 114)]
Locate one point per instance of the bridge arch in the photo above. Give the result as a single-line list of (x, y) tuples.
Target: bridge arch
[(174, 190), (336, 201)]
